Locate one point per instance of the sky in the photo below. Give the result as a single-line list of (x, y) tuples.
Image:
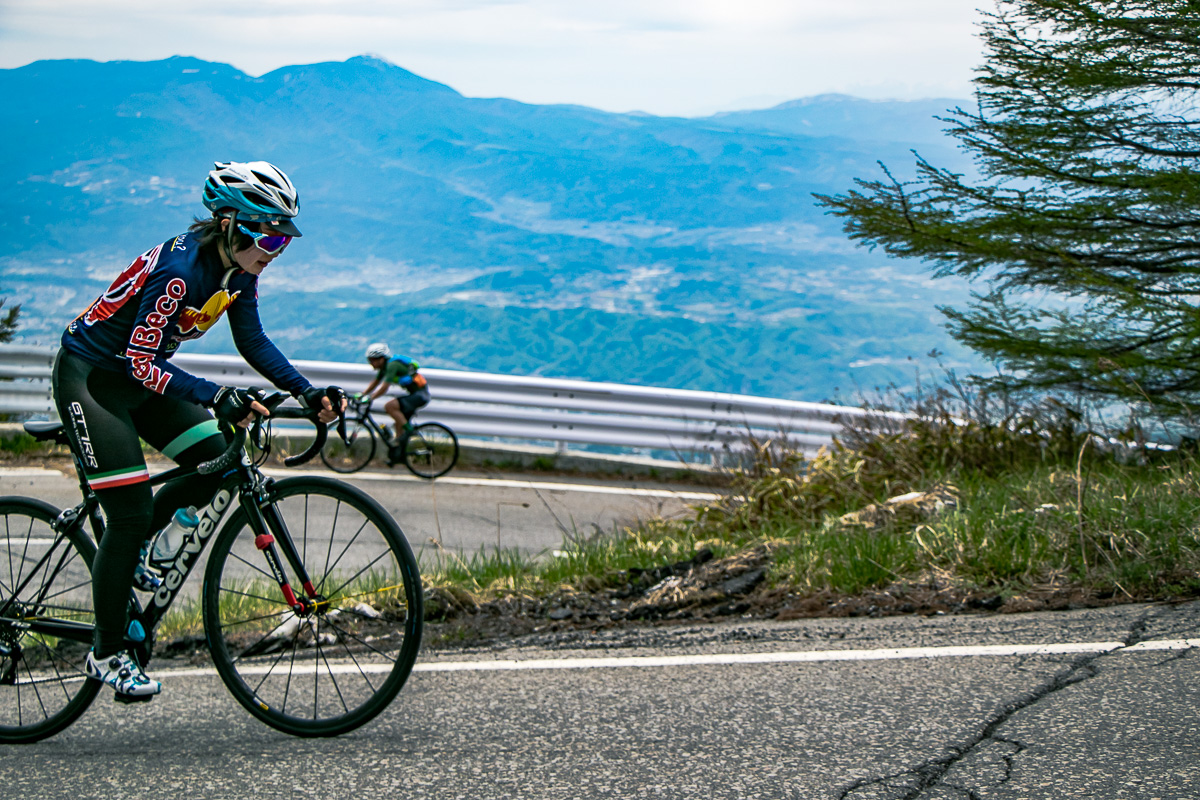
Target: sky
[(665, 57)]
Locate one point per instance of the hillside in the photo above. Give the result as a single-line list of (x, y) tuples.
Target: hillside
[(485, 233)]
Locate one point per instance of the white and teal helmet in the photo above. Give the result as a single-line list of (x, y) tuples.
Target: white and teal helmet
[(256, 190), (379, 350)]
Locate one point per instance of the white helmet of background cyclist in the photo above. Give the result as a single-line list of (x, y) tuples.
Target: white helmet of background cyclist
[(379, 350), (258, 191)]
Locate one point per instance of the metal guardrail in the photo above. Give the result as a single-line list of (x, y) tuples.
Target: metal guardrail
[(479, 404)]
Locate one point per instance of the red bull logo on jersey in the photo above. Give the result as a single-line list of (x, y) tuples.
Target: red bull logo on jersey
[(149, 336), (127, 285), (194, 322)]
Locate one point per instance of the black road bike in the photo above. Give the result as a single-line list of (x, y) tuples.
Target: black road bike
[(311, 600), (430, 450)]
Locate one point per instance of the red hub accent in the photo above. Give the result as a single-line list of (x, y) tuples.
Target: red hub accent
[(290, 596)]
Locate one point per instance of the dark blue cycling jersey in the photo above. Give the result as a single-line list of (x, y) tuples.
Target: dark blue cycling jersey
[(181, 291)]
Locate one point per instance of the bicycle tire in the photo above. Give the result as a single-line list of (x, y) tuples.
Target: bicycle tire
[(431, 450), (346, 458), (43, 686), (371, 624)]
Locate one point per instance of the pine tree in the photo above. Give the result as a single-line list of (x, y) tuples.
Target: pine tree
[(8, 321), (1084, 221)]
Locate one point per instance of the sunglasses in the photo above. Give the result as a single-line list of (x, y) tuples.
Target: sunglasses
[(269, 243)]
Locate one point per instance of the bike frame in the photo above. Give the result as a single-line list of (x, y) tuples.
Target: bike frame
[(243, 480), (365, 417)]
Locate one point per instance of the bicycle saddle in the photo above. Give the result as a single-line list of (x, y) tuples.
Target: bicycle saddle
[(47, 432)]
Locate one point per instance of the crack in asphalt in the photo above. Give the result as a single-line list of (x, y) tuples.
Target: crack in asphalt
[(912, 783)]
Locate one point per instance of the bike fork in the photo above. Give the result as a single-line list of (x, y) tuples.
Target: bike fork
[(266, 522)]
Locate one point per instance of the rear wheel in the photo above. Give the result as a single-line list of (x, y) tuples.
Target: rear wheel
[(431, 450), (46, 620), (353, 454), (336, 665)]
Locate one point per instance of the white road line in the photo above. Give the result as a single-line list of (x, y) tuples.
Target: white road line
[(504, 483), (1164, 644), (719, 659), (499, 483)]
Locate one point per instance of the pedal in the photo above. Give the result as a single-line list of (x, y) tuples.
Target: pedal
[(129, 699)]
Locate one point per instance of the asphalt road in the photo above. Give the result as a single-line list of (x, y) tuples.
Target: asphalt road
[(462, 512), (823, 709)]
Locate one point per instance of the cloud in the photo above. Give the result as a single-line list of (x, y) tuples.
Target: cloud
[(667, 57)]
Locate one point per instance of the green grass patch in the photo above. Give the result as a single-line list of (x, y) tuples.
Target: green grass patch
[(21, 443), (1018, 506)]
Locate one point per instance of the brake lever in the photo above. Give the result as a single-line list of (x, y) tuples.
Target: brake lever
[(338, 404), (273, 400), (258, 428)]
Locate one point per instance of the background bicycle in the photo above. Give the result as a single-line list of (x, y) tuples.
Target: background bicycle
[(430, 450), (311, 601)]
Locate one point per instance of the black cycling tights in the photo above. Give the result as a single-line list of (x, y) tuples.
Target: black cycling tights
[(107, 415)]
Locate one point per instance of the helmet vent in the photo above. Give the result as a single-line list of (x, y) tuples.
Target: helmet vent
[(267, 179), (255, 197)]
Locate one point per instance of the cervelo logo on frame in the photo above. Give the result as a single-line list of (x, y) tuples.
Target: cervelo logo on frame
[(149, 337), (209, 517)]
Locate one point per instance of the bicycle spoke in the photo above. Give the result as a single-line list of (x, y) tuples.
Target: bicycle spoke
[(58, 680), (364, 643), (72, 588), (358, 574), (37, 695), (329, 551), (332, 677), (238, 623), (247, 621), (261, 639), (291, 671), (338, 560), (304, 536), (24, 552), (350, 655), (272, 600), (274, 664), (254, 567)]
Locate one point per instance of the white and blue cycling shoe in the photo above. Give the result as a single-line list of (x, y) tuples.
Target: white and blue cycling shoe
[(122, 673)]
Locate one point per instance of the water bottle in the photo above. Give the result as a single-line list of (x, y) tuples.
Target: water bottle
[(170, 539)]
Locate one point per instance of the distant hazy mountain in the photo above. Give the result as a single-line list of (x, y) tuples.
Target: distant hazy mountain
[(916, 122), (485, 233)]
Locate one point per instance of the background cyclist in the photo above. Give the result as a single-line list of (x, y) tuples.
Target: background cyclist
[(392, 370), (114, 382)]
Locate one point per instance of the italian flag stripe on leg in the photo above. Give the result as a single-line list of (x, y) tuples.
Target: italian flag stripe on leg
[(119, 477)]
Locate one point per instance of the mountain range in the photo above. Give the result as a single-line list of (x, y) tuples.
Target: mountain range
[(487, 234)]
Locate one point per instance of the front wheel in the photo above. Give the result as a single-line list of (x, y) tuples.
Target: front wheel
[(431, 450), (331, 668), (46, 622), (353, 454)]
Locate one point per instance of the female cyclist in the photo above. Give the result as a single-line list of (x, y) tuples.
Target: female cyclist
[(114, 382)]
